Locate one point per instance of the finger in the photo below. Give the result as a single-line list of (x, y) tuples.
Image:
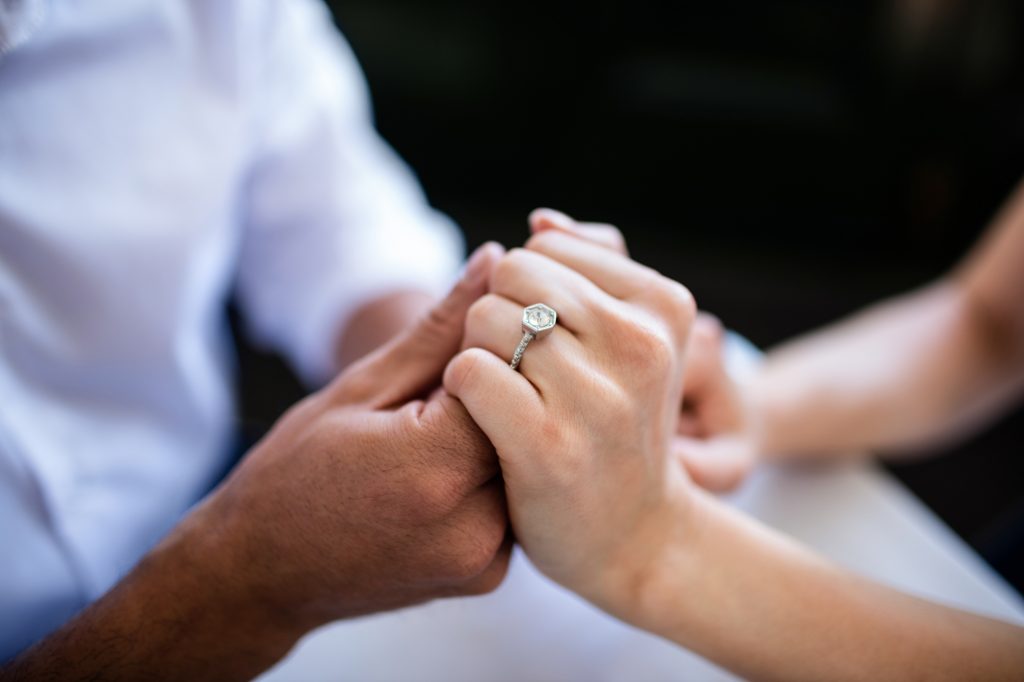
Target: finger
[(601, 234), (457, 443), (719, 464), (495, 573), (705, 357), (690, 424), (476, 532), (527, 277), (712, 398), (612, 272), (500, 400), (493, 324), (413, 362)]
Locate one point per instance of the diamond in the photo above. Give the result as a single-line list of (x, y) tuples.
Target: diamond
[(539, 317)]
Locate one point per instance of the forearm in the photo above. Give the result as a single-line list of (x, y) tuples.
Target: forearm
[(180, 614), (760, 605), (378, 321), (920, 368)]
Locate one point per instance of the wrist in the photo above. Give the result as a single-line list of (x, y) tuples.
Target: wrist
[(223, 595), (639, 587), (180, 614), (673, 596)]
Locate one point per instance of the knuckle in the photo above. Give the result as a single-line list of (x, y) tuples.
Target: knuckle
[(554, 435), (619, 402), (660, 354), (452, 425), (458, 448), (681, 301), (476, 544), (612, 235), (432, 497), (490, 580), (543, 242), (471, 561), (353, 386), (462, 371), (676, 306), (646, 347), (314, 404), (482, 311), (708, 329), (509, 269), (477, 312)]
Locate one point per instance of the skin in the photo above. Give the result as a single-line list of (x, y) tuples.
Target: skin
[(715, 438), (593, 416), (587, 436), (756, 603), (377, 322), (375, 493), (921, 370), (590, 416)]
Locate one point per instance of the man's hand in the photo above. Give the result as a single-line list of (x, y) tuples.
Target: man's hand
[(370, 494), (375, 493)]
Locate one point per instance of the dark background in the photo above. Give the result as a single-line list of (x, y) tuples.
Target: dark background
[(788, 161)]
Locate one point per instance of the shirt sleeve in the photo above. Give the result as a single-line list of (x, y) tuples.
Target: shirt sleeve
[(332, 218)]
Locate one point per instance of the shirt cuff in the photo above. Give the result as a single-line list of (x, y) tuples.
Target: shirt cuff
[(425, 260)]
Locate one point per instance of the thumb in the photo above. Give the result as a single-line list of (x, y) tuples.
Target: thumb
[(414, 361)]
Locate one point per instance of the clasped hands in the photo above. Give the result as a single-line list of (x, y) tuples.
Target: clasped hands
[(407, 478)]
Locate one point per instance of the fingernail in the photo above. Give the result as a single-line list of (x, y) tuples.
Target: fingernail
[(553, 217)]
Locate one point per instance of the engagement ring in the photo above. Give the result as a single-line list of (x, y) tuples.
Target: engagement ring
[(538, 321)]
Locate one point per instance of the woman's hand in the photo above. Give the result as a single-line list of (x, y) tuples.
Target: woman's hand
[(584, 431), (717, 437), (586, 437)]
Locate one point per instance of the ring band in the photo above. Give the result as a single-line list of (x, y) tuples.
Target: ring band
[(538, 321), (520, 349)]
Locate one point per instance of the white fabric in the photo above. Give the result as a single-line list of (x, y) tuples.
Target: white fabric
[(18, 19), (156, 155)]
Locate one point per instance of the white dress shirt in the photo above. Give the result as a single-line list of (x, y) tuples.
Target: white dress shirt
[(156, 158)]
